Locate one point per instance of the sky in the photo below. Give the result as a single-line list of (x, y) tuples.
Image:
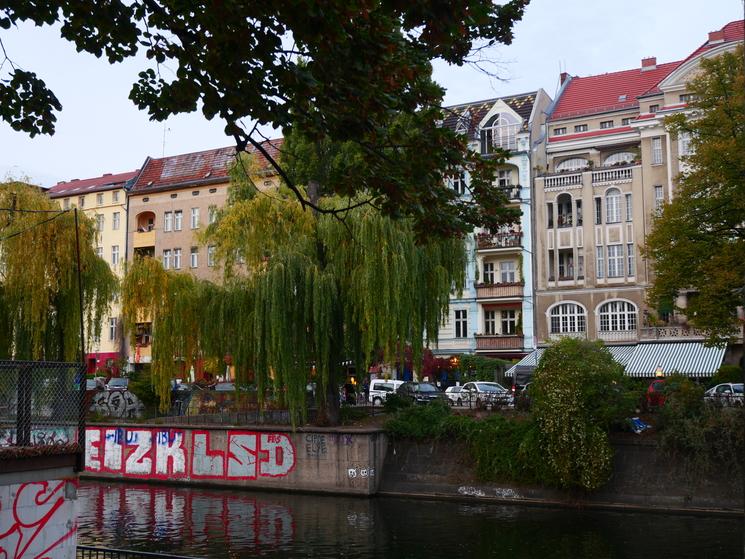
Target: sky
[(101, 131)]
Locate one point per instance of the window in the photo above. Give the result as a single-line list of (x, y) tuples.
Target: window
[(564, 207), (630, 264), (461, 324), (112, 329), (579, 213), (488, 272), (99, 252), (626, 121), (573, 164), (195, 218), (567, 318), (99, 222), (684, 144), (99, 199), (504, 178), (114, 255), (550, 215), (560, 131), (617, 316), (566, 265), (210, 256), (115, 220), (115, 197), (500, 131), (598, 211), (459, 184), (176, 258), (580, 128), (81, 201), (629, 208), (507, 271), (654, 108), (509, 322), (599, 262), (178, 219), (551, 266), (606, 124), (615, 261), (166, 258), (618, 158), (194, 257), (580, 266), (212, 214), (490, 322), (168, 221), (685, 98), (659, 198), (613, 205), (66, 204), (657, 151)]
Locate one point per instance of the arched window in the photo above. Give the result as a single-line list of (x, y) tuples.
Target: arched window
[(612, 205), (500, 131), (564, 210), (617, 316), (573, 164), (568, 318), (618, 158)]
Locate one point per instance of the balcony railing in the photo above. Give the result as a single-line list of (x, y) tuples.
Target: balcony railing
[(498, 290), (623, 174), (671, 332), (619, 336), (143, 239), (510, 239), (559, 335), (495, 342), (563, 179)]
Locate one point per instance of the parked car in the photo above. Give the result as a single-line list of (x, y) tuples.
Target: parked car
[(453, 394), (486, 395), (225, 387), (725, 394), (656, 393), (420, 392), (380, 389), (118, 384), (96, 383)]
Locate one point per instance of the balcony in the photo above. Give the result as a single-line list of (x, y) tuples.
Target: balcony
[(554, 336), (143, 239), (671, 333), (619, 336), (612, 176), (499, 290), (490, 342), (509, 239), (562, 180)]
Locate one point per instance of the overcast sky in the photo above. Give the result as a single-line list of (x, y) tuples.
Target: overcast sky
[(100, 131)]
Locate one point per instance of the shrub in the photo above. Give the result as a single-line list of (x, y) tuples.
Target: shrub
[(418, 422), (578, 392), (350, 414), (727, 373), (395, 402)]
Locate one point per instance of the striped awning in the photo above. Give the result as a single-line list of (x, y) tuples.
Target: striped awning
[(642, 360), (692, 359)]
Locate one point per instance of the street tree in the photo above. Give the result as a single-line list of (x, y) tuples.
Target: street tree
[(39, 301), (336, 70), (698, 240)]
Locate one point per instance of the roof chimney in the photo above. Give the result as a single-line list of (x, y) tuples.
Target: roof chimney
[(649, 63), (563, 77), (716, 37)]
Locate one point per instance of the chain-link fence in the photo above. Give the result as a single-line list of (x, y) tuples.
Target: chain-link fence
[(41, 406)]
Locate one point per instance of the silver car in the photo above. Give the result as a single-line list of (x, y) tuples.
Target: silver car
[(725, 394), (487, 395)]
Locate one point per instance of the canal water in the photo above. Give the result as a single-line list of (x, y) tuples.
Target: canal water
[(231, 524)]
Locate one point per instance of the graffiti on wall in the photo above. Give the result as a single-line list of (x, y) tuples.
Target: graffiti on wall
[(116, 403), (37, 521), (40, 437), (164, 453)]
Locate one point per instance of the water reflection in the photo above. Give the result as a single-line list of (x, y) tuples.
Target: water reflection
[(223, 523)]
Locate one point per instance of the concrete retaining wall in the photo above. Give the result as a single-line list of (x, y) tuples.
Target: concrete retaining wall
[(643, 478), (323, 460)]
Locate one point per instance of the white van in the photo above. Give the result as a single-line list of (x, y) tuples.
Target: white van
[(380, 388)]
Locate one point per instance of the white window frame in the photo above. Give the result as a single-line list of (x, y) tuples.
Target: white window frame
[(684, 144), (115, 197), (114, 255), (504, 178), (561, 131), (194, 257), (116, 219), (567, 318), (659, 198), (458, 183), (489, 275), (578, 128), (620, 157), (615, 261), (657, 157), (168, 222), (99, 251), (461, 323), (617, 315), (630, 260), (194, 218), (573, 164), (600, 262), (212, 214), (508, 322), (210, 256), (629, 207), (612, 205), (605, 124), (99, 199), (178, 220), (176, 258), (166, 258), (66, 204), (490, 322), (507, 272), (100, 222), (112, 329)]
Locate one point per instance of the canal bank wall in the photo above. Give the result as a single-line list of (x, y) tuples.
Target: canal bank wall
[(322, 460), (643, 478)]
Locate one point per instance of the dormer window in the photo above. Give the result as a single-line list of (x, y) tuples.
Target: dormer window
[(621, 98), (500, 132)]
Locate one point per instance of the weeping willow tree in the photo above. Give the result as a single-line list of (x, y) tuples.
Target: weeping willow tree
[(39, 298)]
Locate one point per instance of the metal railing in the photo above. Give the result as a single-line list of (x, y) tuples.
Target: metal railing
[(42, 406), (88, 552)]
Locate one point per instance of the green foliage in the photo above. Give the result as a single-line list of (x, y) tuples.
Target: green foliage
[(395, 402), (578, 392), (683, 399), (726, 373), (353, 72), (698, 240), (141, 385), (478, 367), (39, 301), (419, 422), (350, 414)]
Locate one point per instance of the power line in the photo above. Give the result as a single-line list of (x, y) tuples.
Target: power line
[(42, 222)]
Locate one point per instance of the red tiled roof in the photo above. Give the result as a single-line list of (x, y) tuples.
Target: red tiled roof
[(77, 187), (590, 134), (202, 167), (603, 93), (733, 31)]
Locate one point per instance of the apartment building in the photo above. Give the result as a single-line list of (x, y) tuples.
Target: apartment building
[(494, 316), (171, 200), (610, 165), (103, 199)]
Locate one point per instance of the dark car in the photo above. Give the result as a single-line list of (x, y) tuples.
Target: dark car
[(421, 392), (117, 384)]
